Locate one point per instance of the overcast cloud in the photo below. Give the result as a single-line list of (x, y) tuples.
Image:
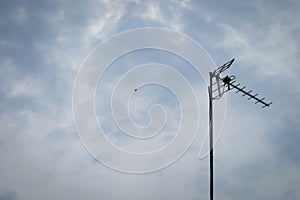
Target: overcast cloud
[(43, 44)]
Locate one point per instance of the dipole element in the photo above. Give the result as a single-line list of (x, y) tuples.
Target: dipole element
[(217, 87)]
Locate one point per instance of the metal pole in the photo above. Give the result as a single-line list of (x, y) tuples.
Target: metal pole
[(228, 80), (211, 163)]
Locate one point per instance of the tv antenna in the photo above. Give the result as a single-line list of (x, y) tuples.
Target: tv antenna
[(216, 89)]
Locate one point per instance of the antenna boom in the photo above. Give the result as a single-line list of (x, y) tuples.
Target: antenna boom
[(245, 93)]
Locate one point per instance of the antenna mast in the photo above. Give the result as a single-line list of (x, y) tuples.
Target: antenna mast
[(217, 87)]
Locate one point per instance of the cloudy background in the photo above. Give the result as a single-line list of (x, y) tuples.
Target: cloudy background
[(42, 45)]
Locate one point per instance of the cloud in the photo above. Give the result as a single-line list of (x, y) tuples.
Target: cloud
[(8, 196), (153, 12), (43, 44)]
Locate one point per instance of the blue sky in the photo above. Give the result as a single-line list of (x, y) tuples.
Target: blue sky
[(43, 44)]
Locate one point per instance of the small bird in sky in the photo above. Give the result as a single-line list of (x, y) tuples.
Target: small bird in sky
[(135, 89)]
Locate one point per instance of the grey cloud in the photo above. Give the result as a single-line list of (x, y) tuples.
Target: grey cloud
[(8, 196), (42, 45)]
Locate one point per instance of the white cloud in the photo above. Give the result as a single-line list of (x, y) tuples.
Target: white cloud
[(25, 87), (153, 12), (39, 146), (106, 22), (271, 50), (186, 4)]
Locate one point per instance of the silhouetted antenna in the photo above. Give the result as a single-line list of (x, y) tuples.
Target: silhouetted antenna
[(217, 87), (229, 82)]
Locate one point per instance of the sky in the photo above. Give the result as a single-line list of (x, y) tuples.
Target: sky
[(43, 46)]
